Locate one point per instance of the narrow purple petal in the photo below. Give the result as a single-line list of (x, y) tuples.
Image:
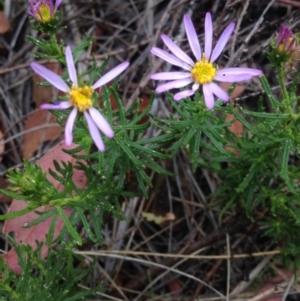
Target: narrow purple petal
[(71, 66), (195, 86), (57, 4), (170, 75), (208, 35), (31, 14), (222, 42), (59, 105), (52, 8), (208, 97), (183, 94), (232, 78), (192, 37), (218, 91), (50, 76), (110, 75), (101, 122), (280, 35), (69, 127), (176, 50), (236, 74), (94, 132), (291, 45), (174, 84), (170, 58), (233, 71)]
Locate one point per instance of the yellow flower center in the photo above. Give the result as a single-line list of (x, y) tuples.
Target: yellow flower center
[(203, 71), (81, 98), (44, 13)]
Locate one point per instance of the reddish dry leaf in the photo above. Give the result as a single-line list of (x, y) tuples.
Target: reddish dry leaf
[(4, 23), (237, 91), (38, 232), (236, 127), (32, 140), (174, 286)]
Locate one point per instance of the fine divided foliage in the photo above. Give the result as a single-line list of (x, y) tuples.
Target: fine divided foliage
[(114, 151)]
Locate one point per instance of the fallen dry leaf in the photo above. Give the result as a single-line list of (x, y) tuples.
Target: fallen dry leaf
[(237, 91), (4, 23), (174, 286), (236, 127), (32, 140), (38, 232)]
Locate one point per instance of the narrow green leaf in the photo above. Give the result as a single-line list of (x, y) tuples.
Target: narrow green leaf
[(120, 106), (284, 158), (13, 194), (249, 199), (77, 51), (98, 223), (195, 148), (69, 226), (107, 104), (142, 114), (146, 150), (266, 115), (38, 43), (183, 114), (142, 178), (215, 142), (239, 117), (217, 135), (263, 144), (86, 224), (128, 152), (274, 103), (112, 161), (50, 234), (175, 146), (16, 214), (191, 132), (44, 216), (131, 126), (249, 177)]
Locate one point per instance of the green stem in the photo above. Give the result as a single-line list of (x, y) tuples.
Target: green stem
[(285, 94), (9, 289), (55, 44)]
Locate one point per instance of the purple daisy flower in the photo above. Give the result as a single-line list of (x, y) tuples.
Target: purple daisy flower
[(80, 98), (203, 71), (43, 10), (285, 41)]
